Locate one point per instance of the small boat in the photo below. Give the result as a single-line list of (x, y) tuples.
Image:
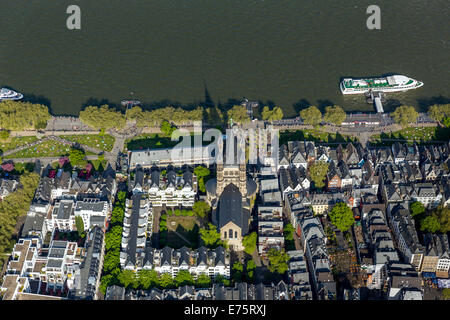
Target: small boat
[(8, 94)]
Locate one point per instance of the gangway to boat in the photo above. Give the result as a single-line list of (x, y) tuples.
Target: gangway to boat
[(377, 98)]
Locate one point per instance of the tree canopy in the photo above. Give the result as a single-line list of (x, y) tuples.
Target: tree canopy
[(278, 261), (417, 209), (275, 114), (238, 114), (318, 172), (341, 216), (311, 115), (167, 128), (102, 117), (154, 118), (77, 157), (334, 114), (404, 115), (439, 112), (249, 242), (430, 224), (16, 115), (210, 236), (201, 209)]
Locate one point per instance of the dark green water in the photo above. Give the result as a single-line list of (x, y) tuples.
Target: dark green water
[(284, 51)]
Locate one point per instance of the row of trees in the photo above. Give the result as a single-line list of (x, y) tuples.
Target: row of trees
[(313, 116), (112, 272), (14, 206), (147, 279), (15, 115)]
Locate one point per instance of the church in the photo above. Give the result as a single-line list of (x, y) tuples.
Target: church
[(230, 195)]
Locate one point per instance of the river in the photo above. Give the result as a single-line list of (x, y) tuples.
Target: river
[(282, 52)]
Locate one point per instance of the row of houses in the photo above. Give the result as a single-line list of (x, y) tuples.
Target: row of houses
[(241, 291), (270, 216), (166, 187), (212, 262)]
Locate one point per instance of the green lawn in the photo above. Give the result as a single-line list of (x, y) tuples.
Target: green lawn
[(105, 142), (421, 135), (187, 227), (312, 135), (15, 142), (49, 148)]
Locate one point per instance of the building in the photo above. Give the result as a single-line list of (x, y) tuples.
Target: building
[(177, 157), (199, 261), (92, 211), (300, 288), (89, 273), (270, 229), (405, 233), (136, 227), (314, 241)]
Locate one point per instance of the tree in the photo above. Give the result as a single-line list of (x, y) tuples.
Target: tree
[(250, 268), (442, 215), (417, 209), (77, 158), (102, 117), (318, 172), (167, 128), (183, 278), (128, 279), (203, 281), (334, 114), (249, 242), (111, 260), (311, 115), (430, 224), (166, 280), (238, 269), (113, 238), (201, 171), (201, 209), (439, 112), (222, 279), (148, 279), (275, 114), (210, 236), (278, 261), (341, 216), (289, 232), (404, 115), (238, 114), (80, 226)]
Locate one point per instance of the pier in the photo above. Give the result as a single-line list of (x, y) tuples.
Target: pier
[(377, 98)]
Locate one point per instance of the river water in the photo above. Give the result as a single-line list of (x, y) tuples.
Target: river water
[(289, 53)]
